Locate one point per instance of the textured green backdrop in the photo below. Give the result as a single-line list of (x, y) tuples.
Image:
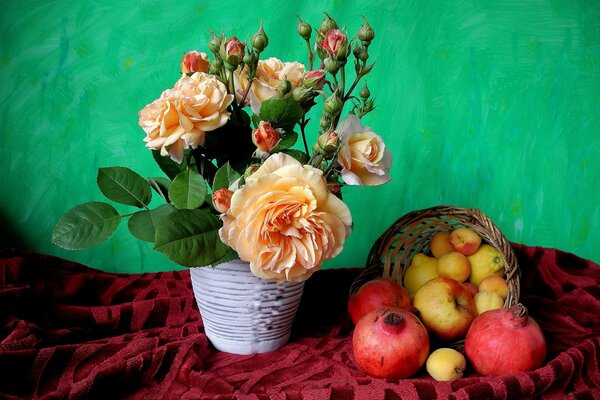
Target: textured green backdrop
[(488, 104)]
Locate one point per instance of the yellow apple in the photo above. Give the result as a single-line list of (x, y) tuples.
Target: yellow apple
[(465, 240), (446, 364), (496, 284), (485, 300), (486, 261), (422, 268), (454, 265), (447, 308), (440, 244)]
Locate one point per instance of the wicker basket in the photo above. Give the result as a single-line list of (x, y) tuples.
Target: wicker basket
[(411, 234)]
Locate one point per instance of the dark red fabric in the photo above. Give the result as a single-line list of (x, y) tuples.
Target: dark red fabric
[(70, 332)]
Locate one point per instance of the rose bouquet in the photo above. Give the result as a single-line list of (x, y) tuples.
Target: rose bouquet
[(241, 181)]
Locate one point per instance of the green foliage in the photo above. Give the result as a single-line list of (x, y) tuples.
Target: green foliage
[(86, 225), (224, 177), (124, 186), (143, 223), (188, 190), (281, 113), (191, 238)]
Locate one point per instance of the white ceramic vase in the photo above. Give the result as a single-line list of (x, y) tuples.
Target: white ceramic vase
[(241, 313)]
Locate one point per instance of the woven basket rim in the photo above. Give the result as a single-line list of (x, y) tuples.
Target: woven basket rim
[(447, 217)]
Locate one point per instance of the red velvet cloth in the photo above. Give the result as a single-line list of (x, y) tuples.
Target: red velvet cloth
[(70, 332)]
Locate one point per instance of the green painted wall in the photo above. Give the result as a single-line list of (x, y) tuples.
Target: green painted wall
[(488, 104)]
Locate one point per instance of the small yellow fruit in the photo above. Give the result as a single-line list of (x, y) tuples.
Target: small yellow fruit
[(440, 244), (496, 284), (485, 300), (446, 364), (454, 265), (422, 269), (486, 261)]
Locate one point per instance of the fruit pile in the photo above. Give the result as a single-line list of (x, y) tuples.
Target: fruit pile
[(456, 292)]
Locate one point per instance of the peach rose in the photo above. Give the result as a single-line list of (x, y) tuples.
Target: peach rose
[(265, 137), (284, 220), (222, 200), (194, 61), (182, 115), (270, 74), (363, 156)]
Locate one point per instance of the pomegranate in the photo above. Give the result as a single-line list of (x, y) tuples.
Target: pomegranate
[(382, 292), (505, 341), (390, 342)]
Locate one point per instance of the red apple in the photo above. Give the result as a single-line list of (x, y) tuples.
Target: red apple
[(447, 308), (465, 240), (390, 342), (380, 292), (473, 289)]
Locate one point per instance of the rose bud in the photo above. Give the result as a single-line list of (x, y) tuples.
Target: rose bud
[(259, 40), (314, 79), (366, 33), (285, 87), (335, 43), (232, 52), (222, 200), (265, 137), (328, 142), (214, 44), (303, 96), (327, 24), (333, 104), (304, 29), (332, 66), (194, 61), (364, 93), (360, 52)]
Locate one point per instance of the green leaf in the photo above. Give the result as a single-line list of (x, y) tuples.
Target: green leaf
[(160, 185), (188, 190), (124, 186), (190, 238), (298, 155), (143, 223), (230, 254), (286, 142), (85, 225), (281, 113), (255, 120), (168, 166), (224, 177)]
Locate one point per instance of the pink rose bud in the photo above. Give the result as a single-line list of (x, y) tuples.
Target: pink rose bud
[(314, 79), (194, 61), (265, 137), (335, 43), (232, 52), (222, 200)]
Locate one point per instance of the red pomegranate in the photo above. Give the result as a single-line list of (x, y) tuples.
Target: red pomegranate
[(382, 292), (505, 341), (390, 342)]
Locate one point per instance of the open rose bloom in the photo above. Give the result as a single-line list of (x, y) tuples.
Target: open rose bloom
[(285, 221), (270, 75), (182, 115), (364, 158)]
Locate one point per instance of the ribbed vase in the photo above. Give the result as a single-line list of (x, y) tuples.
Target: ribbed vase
[(243, 314)]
